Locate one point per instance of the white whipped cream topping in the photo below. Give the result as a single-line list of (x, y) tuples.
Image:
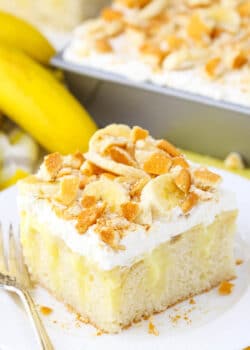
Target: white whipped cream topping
[(137, 243), (233, 88)]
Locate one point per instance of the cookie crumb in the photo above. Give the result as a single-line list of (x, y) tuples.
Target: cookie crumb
[(45, 310), (99, 333), (152, 329), (225, 288), (239, 262)]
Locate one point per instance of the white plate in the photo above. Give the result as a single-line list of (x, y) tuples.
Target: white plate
[(214, 322)]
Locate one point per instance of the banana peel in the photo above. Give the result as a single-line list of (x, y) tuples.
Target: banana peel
[(33, 98), (19, 34)]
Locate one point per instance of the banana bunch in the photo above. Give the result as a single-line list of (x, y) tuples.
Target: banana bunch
[(14, 32), (33, 97), (35, 100)]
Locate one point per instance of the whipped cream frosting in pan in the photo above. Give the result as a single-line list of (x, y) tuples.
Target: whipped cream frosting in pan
[(198, 47)]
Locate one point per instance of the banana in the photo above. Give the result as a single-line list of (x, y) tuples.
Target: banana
[(42, 106), (161, 195), (38, 187), (112, 193), (115, 167), (19, 34), (114, 134)]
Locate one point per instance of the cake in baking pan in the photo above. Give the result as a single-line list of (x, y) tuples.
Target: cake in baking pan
[(200, 46)]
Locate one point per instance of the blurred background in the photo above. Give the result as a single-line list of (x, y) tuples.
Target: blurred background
[(42, 107)]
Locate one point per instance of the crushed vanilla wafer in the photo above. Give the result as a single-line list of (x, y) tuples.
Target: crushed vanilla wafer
[(208, 37), (126, 179)]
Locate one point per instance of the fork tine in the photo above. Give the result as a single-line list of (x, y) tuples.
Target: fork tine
[(12, 258), (3, 268), (24, 274)]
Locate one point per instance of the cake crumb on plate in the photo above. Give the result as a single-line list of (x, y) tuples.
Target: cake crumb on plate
[(45, 310), (152, 328), (239, 262), (225, 288)]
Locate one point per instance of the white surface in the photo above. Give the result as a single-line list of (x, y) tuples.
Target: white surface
[(217, 322), (137, 240)]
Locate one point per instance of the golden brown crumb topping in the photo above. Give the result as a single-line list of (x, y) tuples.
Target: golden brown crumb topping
[(206, 179), (212, 36), (180, 161), (212, 67), (111, 230), (121, 156), (138, 133), (183, 180), (157, 163), (52, 165), (130, 210), (137, 186), (88, 201), (103, 46), (114, 186), (109, 14), (190, 201), (88, 217), (134, 3), (68, 189), (169, 148)]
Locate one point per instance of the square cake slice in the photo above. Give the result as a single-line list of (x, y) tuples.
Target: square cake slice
[(127, 229)]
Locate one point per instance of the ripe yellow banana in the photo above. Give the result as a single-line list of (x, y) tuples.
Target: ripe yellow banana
[(34, 99), (161, 194), (19, 34)]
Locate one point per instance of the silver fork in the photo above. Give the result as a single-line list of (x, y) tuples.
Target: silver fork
[(14, 277)]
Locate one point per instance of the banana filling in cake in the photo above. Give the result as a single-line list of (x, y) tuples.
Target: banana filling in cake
[(127, 229), (201, 46)]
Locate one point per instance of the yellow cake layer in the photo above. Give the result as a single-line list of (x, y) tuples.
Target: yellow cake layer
[(191, 263)]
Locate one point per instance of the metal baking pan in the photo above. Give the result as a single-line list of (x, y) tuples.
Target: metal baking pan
[(190, 121)]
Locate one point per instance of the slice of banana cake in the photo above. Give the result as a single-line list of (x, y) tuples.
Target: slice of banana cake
[(127, 229)]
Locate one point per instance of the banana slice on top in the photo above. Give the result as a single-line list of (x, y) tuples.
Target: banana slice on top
[(114, 134), (110, 192), (114, 167), (161, 194)]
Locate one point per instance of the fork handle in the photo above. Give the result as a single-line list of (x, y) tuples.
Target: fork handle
[(35, 319)]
